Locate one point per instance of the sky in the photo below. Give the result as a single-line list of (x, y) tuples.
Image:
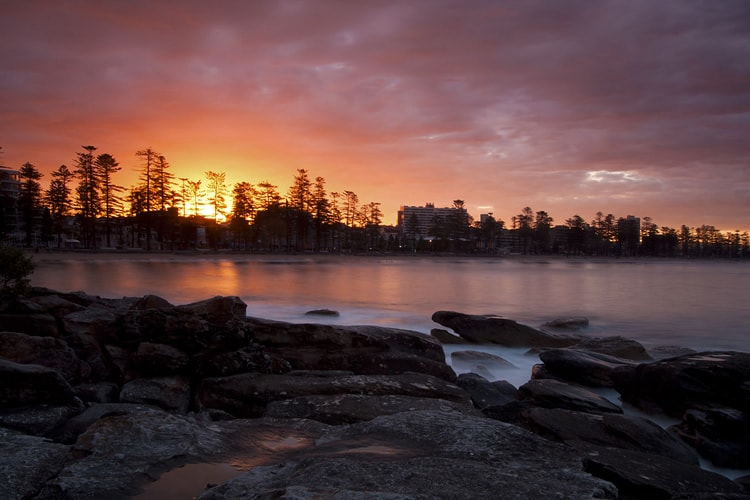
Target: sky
[(629, 107)]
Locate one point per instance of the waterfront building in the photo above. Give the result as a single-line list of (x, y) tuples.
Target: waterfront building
[(419, 222)]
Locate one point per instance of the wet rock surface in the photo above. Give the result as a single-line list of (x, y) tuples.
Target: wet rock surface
[(104, 395)]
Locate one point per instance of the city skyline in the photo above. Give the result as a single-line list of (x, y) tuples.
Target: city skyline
[(572, 108)]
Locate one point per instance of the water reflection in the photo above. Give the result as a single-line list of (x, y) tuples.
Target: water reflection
[(696, 304)]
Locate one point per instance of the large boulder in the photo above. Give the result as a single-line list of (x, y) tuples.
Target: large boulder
[(27, 462), (580, 367), (722, 435), (619, 347), (359, 349), (609, 430), (674, 385), (548, 393), (422, 454), (485, 393), (46, 351), (247, 395), (24, 316), (23, 385), (489, 329), (646, 475), (170, 393), (152, 360)]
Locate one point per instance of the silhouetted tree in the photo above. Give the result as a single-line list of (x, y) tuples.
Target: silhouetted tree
[(88, 194), (217, 191), (107, 166), (542, 231), (29, 200), (195, 193), (163, 180), (268, 195), (576, 234), (58, 200)]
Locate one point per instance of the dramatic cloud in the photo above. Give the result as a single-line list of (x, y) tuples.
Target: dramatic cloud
[(625, 107)]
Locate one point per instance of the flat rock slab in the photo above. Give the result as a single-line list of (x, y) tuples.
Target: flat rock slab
[(641, 475), (554, 394), (582, 367), (705, 379), (610, 430), (27, 462), (247, 395), (423, 455), (488, 329), (351, 408)]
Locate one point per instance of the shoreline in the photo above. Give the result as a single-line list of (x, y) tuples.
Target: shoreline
[(52, 255)]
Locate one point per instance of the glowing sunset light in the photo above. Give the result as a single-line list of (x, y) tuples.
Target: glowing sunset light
[(623, 107)]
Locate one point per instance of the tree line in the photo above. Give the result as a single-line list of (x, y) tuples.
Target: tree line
[(162, 211), (84, 205)]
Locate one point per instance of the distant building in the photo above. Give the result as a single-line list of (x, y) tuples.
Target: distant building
[(10, 183), (10, 191), (418, 221)]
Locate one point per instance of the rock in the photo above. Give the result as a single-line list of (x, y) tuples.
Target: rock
[(619, 347), (27, 462), (571, 323), (722, 435), (581, 367), (485, 393), (643, 475), (486, 329), (744, 482), (171, 393), (674, 385), (56, 305), (46, 351), (350, 408), (39, 419), (24, 316), (97, 321), (218, 311), (251, 358), (322, 312), (556, 394), (98, 392), (96, 364), (117, 454), (445, 337), (153, 360), (608, 430), (247, 395), (420, 455), (151, 302), (669, 351), (69, 431), (360, 349), (24, 385)]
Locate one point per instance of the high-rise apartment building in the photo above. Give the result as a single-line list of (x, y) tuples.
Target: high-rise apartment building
[(417, 221)]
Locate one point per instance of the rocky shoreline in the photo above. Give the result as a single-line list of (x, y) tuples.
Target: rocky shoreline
[(99, 397)]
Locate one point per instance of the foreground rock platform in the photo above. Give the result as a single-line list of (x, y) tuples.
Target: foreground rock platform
[(99, 397)]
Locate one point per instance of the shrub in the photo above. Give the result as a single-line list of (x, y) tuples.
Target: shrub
[(15, 269)]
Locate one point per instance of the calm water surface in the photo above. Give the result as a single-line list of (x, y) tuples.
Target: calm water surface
[(698, 304)]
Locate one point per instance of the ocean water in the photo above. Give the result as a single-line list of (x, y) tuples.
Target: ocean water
[(696, 304)]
